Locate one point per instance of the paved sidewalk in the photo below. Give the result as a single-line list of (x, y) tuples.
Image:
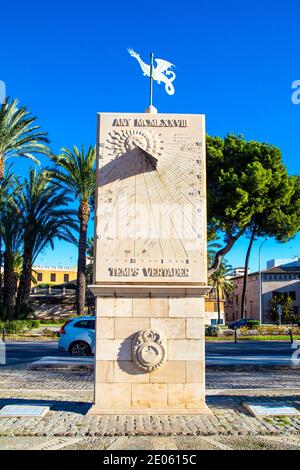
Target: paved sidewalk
[(152, 443), (68, 417), (70, 394), (215, 379)]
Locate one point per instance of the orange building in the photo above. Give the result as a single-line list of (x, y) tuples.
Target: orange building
[(53, 275)]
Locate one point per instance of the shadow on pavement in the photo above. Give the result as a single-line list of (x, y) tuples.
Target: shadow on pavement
[(54, 405)]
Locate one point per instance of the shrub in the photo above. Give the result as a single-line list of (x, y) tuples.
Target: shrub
[(213, 331), (54, 321), (15, 327), (244, 331), (253, 324), (31, 324)]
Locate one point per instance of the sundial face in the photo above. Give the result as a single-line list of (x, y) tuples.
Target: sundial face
[(151, 205)]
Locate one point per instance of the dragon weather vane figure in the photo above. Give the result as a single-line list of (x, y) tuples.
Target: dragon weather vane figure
[(161, 73)]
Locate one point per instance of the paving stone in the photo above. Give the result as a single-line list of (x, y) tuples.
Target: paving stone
[(69, 395)]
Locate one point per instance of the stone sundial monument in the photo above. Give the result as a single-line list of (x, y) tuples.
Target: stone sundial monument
[(150, 272)]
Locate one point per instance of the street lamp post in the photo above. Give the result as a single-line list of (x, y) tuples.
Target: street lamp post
[(260, 280)]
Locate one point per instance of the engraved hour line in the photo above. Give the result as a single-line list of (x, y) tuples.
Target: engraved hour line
[(178, 173), (175, 231), (184, 156), (183, 197), (157, 216), (175, 241), (134, 215), (190, 222), (152, 179), (125, 242), (114, 205), (154, 218), (180, 167), (170, 191), (184, 194), (150, 186)]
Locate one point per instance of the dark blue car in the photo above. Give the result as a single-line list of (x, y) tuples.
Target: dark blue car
[(235, 325)]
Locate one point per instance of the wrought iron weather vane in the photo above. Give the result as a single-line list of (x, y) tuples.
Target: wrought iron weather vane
[(162, 73)]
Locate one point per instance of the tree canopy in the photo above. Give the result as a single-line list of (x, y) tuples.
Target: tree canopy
[(248, 186)]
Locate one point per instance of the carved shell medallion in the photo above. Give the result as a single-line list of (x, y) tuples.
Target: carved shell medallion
[(148, 350)]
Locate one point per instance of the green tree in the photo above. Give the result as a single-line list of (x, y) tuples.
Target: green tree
[(286, 303), (20, 136), (280, 219), (43, 211), (75, 170), (249, 190)]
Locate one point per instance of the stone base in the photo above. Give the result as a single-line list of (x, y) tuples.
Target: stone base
[(177, 385), (97, 410)]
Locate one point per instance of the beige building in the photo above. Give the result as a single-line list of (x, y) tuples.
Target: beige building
[(284, 278)]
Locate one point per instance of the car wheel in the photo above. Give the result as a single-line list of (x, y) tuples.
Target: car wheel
[(80, 348)]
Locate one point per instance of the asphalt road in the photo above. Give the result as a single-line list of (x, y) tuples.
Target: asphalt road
[(19, 354)]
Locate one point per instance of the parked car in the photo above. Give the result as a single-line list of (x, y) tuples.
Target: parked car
[(240, 323), (77, 336)]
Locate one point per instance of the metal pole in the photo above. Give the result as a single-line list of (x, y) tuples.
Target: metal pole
[(151, 78), (260, 281)]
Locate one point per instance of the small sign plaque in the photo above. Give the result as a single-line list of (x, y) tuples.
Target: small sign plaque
[(271, 409), (30, 411)]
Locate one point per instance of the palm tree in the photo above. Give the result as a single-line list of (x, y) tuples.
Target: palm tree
[(19, 134), (44, 217), (75, 170), (6, 190), (11, 231), (222, 286)]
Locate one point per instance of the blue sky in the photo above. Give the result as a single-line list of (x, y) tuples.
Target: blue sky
[(235, 62)]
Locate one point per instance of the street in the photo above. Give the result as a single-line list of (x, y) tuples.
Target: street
[(19, 354)]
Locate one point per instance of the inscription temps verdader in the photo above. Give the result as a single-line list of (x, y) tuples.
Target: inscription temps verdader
[(149, 272)]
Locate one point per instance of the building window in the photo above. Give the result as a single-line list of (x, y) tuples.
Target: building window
[(292, 294), (66, 277), (236, 299), (53, 277), (39, 277)]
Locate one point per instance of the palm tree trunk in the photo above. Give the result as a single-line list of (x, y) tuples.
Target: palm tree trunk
[(1, 169), (1, 277), (246, 272), (1, 259), (9, 286), (83, 215), (25, 279), (218, 305)]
